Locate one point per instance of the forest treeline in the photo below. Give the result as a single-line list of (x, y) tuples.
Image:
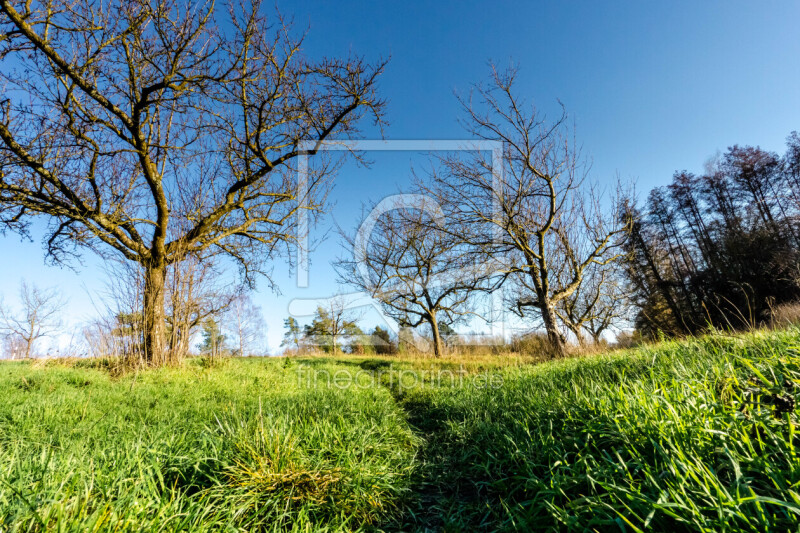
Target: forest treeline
[(718, 248)]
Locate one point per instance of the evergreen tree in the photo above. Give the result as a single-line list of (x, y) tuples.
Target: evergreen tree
[(293, 333), (382, 341), (213, 338), (330, 326)]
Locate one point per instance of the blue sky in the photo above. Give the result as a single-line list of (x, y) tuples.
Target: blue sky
[(652, 89)]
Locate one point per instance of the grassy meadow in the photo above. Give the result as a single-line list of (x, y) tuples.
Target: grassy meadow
[(697, 435)]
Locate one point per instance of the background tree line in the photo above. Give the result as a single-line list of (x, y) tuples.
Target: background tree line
[(718, 249)]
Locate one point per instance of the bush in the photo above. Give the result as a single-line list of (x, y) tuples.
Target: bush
[(532, 344), (786, 315)]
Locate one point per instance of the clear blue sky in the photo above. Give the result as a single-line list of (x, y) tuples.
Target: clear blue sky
[(653, 88)]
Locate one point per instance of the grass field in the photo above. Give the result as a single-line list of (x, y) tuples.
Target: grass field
[(697, 436)]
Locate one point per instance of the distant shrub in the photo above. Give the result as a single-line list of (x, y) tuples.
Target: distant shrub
[(361, 345), (477, 345), (628, 339), (786, 315), (534, 343)]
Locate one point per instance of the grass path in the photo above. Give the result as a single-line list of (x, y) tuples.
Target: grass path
[(700, 435), (444, 499), (690, 436)]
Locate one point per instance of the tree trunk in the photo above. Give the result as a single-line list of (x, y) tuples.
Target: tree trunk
[(437, 338), (578, 335), (153, 313), (240, 328), (551, 326), (661, 283)]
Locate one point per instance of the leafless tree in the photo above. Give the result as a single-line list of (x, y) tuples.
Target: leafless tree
[(194, 290), (38, 317), (97, 338), (598, 305), (161, 129), (13, 346), (416, 269), (118, 327), (193, 294), (534, 215), (246, 323)]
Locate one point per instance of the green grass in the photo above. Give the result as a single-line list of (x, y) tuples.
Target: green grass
[(240, 447), (697, 436)]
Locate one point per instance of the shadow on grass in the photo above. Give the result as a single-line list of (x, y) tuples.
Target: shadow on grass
[(445, 495)]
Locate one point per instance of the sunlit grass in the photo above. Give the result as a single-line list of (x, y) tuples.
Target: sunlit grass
[(699, 435), (239, 447)]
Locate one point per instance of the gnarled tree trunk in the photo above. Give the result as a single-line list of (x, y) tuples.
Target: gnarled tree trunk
[(153, 313), (437, 338), (551, 326)]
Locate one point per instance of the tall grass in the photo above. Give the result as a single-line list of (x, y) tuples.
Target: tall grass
[(243, 447), (693, 436), (698, 435)]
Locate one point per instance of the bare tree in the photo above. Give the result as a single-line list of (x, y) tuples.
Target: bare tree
[(534, 215), (598, 305), (245, 321), (13, 346), (161, 129), (193, 291), (38, 317), (119, 323), (416, 269), (193, 294)]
